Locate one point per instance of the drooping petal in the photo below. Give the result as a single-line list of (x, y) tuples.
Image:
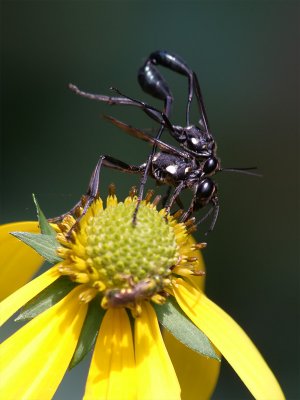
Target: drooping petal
[(18, 261), (34, 359), (197, 375), (156, 376), (112, 372), (231, 341), (16, 300)]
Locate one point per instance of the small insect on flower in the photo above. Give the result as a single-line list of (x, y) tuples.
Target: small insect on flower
[(136, 293), (110, 289)]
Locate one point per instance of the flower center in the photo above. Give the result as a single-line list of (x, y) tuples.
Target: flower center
[(125, 262), (117, 249)]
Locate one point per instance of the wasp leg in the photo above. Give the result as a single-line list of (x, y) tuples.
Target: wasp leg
[(191, 208), (93, 187), (214, 209), (203, 121), (153, 83), (111, 100), (159, 116), (164, 122), (174, 196), (151, 111)]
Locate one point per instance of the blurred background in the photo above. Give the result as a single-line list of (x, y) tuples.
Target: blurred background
[(247, 59)]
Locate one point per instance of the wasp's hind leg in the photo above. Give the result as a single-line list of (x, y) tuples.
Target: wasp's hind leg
[(80, 208)]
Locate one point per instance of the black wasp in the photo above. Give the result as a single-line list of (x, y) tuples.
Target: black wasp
[(189, 166)]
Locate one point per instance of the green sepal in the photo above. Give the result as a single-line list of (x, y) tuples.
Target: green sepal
[(88, 333), (45, 227), (45, 245), (46, 298), (172, 318)]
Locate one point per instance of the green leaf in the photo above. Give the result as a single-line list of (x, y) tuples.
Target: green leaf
[(172, 318), (88, 333), (45, 227), (46, 298), (45, 245)]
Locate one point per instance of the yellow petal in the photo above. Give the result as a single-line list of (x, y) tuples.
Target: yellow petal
[(156, 376), (197, 375), (231, 341), (18, 261), (112, 371), (35, 358), (16, 300)]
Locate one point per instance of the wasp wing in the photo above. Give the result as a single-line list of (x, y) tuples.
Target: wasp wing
[(137, 133)]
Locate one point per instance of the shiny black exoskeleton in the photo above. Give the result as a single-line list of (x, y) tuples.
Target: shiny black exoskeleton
[(173, 167), (190, 165), (197, 140)]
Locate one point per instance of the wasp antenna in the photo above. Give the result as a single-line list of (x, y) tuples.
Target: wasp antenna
[(245, 171)]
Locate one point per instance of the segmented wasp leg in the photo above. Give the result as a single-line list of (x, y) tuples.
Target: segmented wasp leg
[(72, 211), (215, 210), (89, 196), (109, 162), (142, 186), (167, 196), (111, 100), (164, 121), (157, 115), (203, 121), (152, 112), (190, 210), (188, 106), (93, 187), (174, 196)]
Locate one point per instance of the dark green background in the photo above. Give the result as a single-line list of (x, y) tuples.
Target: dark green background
[(245, 54)]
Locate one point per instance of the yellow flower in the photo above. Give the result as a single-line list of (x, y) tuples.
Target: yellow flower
[(18, 261), (127, 278)]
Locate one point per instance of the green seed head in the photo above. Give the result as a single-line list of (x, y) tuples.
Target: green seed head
[(124, 253)]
